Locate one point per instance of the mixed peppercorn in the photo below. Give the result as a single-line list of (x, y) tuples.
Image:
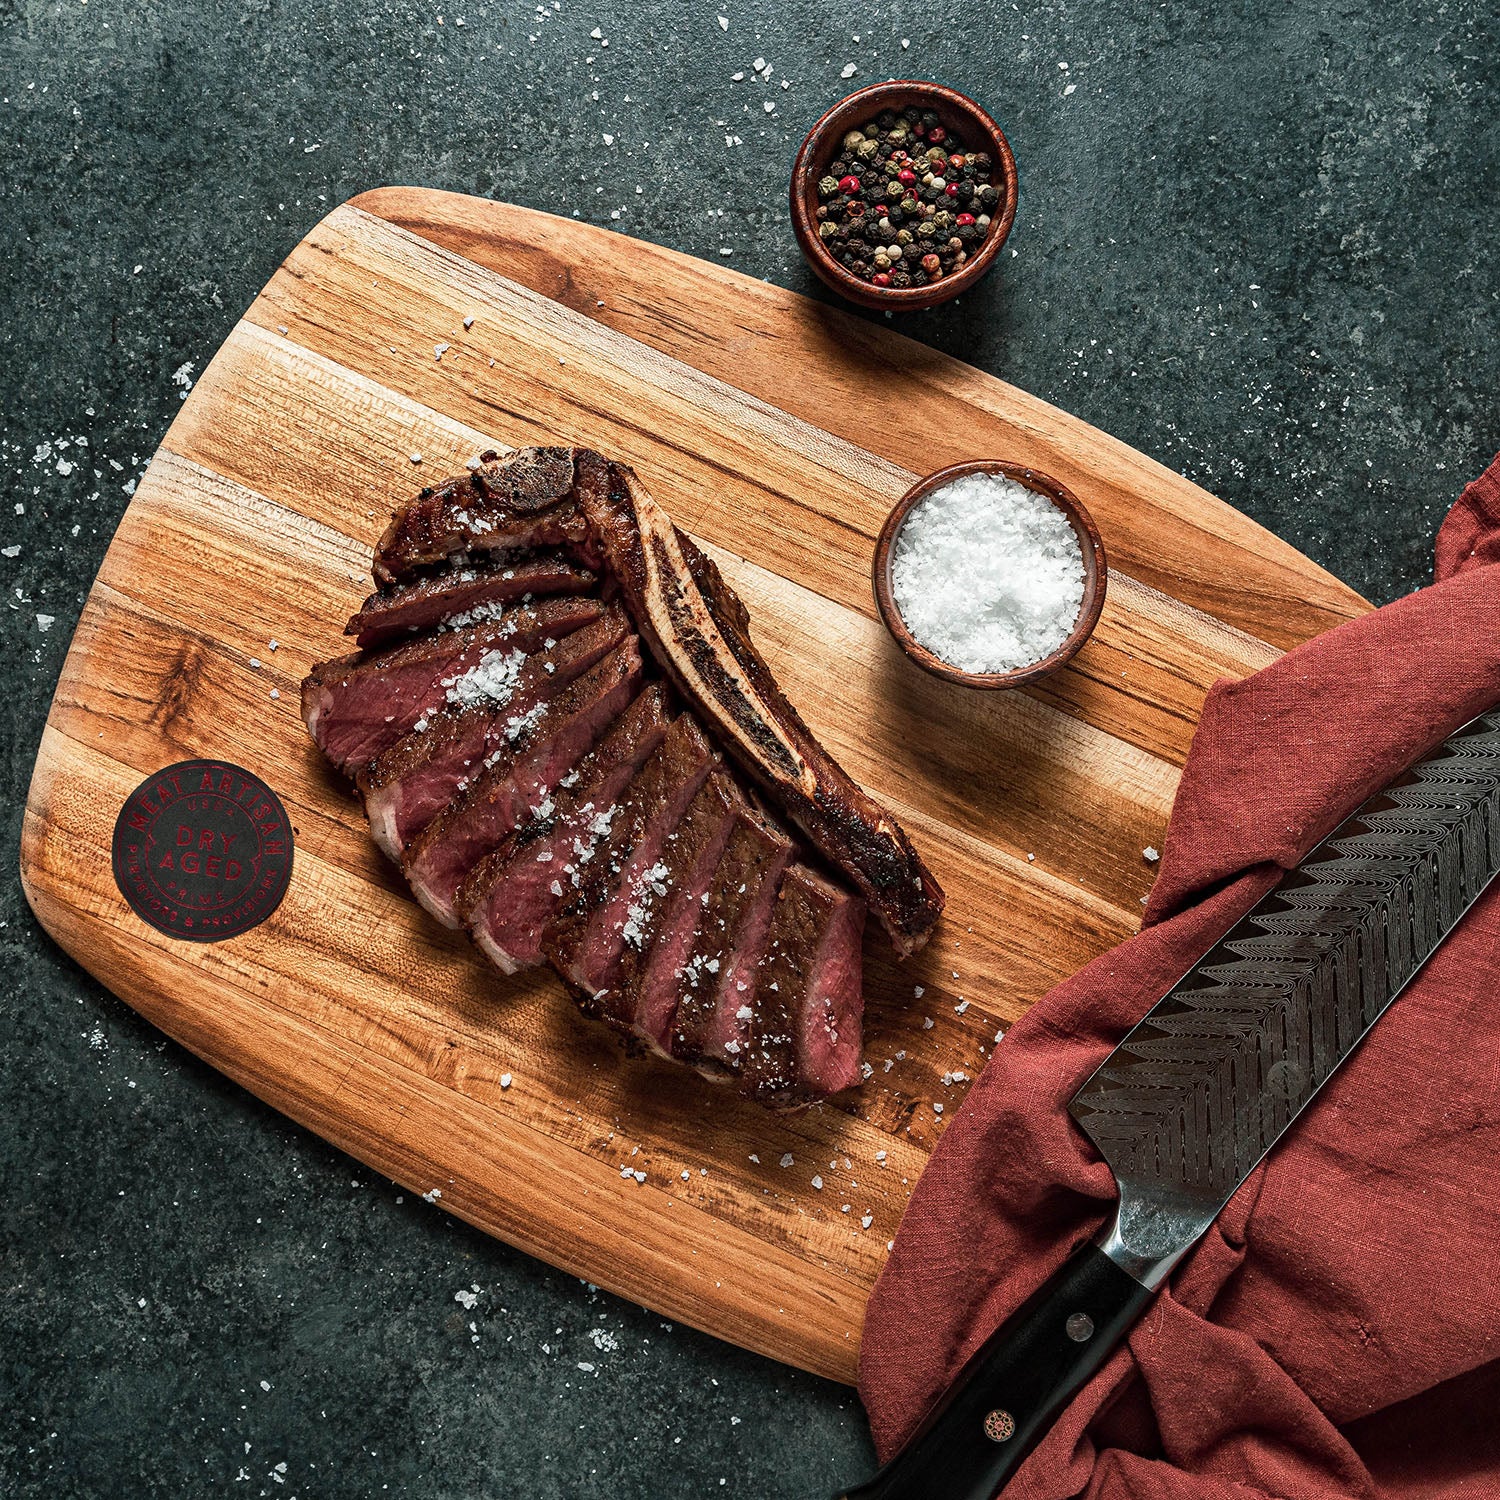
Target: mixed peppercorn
[(904, 202)]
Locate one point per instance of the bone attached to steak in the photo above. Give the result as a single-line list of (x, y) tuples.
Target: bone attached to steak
[(805, 1036), (660, 933), (487, 710), (358, 706), (508, 898), (524, 500), (699, 632), (465, 595), (714, 985), (516, 787), (583, 941)]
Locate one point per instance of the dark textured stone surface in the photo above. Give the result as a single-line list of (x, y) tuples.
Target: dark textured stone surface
[(1255, 241)]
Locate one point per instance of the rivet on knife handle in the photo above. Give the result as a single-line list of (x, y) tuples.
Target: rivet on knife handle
[(1214, 1075)]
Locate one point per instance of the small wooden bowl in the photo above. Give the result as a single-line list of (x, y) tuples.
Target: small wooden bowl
[(958, 114), (1095, 574)]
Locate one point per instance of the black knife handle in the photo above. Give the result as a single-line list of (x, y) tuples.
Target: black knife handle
[(1014, 1385)]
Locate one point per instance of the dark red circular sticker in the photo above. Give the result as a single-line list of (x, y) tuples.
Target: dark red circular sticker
[(203, 850)]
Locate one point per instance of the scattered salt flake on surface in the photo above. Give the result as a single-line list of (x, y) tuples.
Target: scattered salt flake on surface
[(469, 321), (880, 1156), (919, 991), (736, 78), (265, 1385), (768, 106), (686, 1175), (609, 140), (937, 1109), (416, 458), (1150, 855), (866, 1220), (755, 1158), (640, 1176), (962, 1006), (13, 551), (466, 1298), (44, 622), (723, 23), (905, 43), (787, 1159), (432, 1195), (438, 351), (818, 1183), (505, 1080), (585, 1366), (848, 71), (843, 1208), (927, 1023), (276, 692)]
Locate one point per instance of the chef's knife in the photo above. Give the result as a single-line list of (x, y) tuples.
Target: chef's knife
[(1197, 1093)]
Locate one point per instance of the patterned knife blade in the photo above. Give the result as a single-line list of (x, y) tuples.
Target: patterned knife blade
[(1197, 1093)]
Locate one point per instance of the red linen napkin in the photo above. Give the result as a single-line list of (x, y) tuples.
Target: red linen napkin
[(1337, 1332)]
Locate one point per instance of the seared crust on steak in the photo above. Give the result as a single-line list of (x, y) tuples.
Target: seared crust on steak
[(520, 501)]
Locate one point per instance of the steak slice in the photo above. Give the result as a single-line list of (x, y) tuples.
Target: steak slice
[(715, 984), (660, 933), (488, 708), (515, 788), (357, 706), (523, 500), (584, 939), (508, 898), (464, 596), (805, 1036), (699, 632)]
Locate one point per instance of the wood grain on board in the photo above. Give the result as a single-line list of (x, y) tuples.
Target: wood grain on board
[(779, 432)]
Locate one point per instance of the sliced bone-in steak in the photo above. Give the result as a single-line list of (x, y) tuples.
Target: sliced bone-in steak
[(510, 895), (468, 594), (807, 1030), (583, 941), (516, 787), (358, 706), (523, 500), (488, 709), (715, 984), (661, 935), (699, 632)]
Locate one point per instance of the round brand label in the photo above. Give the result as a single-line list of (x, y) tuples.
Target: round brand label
[(203, 850)]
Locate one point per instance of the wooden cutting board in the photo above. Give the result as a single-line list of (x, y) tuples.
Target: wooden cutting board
[(779, 432)]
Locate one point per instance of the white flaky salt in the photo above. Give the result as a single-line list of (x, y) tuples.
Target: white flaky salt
[(988, 574)]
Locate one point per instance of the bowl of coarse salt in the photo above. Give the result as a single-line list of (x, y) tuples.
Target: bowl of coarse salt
[(990, 574)]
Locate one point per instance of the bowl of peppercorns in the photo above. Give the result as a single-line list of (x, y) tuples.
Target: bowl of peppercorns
[(902, 195)]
